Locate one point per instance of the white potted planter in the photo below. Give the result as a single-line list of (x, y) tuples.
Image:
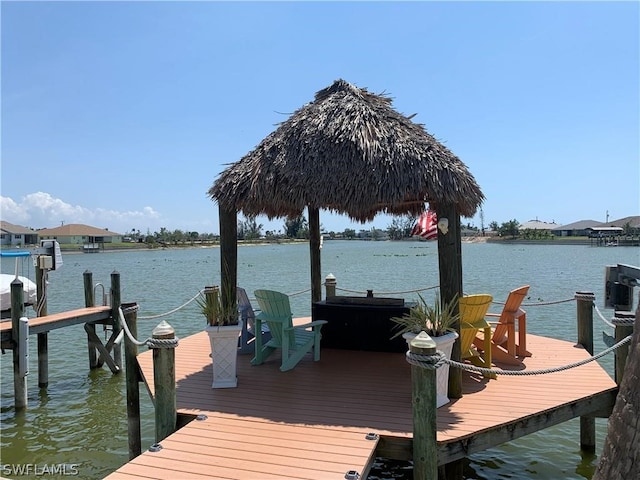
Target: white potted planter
[(224, 354), (444, 343), (224, 328)]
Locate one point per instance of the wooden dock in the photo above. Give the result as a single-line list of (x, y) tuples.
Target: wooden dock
[(54, 321), (313, 422)]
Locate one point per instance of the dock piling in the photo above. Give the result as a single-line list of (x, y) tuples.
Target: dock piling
[(17, 312), (423, 402), (164, 378), (90, 301), (117, 328), (43, 338), (130, 312), (623, 323), (330, 285), (584, 307)]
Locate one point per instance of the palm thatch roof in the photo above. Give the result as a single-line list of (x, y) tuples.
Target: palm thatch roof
[(349, 152)]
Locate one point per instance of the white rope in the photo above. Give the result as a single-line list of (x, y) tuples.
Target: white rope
[(490, 371), (607, 322), (623, 321), (539, 304), (298, 293), (150, 342), (174, 310), (390, 293), (438, 359), (151, 317), (125, 327)]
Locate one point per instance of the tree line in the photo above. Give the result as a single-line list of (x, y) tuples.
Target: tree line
[(249, 229)]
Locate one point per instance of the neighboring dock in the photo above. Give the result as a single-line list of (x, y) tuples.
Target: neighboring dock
[(313, 422)]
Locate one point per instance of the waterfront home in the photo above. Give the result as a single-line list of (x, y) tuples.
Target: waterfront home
[(16, 235), (79, 234)]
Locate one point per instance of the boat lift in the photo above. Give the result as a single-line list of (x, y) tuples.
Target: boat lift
[(618, 286)]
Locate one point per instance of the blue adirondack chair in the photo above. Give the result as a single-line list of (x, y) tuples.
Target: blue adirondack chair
[(248, 316), (294, 341)]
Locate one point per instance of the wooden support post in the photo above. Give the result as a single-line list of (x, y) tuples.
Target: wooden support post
[(17, 312), (330, 286), (130, 312), (584, 307), (228, 254), (90, 301), (314, 251), (115, 304), (450, 267), (623, 328), (423, 402), (164, 378), (43, 340), (584, 314)]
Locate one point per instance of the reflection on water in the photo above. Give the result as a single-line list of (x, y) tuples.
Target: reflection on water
[(81, 417)]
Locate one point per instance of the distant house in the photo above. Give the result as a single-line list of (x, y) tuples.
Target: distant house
[(79, 234), (16, 235), (630, 223), (593, 228), (576, 229)]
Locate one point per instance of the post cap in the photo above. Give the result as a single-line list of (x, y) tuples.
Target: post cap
[(163, 330), (423, 344)]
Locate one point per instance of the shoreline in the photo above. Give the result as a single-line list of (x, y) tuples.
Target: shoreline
[(77, 249)]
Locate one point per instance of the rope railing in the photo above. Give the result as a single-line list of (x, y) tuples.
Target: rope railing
[(150, 317), (604, 320), (160, 315), (435, 361), (417, 290), (540, 303), (149, 342)]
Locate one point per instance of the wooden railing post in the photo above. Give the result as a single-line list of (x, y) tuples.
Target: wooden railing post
[(623, 323), (423, 402), (330, 286), (17, 312), (130, 313), (164, 378), (584, 308), (90, 301)]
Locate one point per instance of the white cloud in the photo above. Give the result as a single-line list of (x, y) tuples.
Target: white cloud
[(41, 210)]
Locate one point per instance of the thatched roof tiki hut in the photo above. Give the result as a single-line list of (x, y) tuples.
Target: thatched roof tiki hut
[(351, 153)]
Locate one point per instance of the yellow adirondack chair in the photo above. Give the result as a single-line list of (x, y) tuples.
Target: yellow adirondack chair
[(473, 309), (294, 341), (505, 348)]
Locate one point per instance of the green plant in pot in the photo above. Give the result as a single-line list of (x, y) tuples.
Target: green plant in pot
[(436, 320), (217, 311)]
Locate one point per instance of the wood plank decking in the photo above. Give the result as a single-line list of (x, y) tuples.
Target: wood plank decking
[(311, 422), (47, 323)]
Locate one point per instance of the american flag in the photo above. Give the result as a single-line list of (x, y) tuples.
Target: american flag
[(426, 226)]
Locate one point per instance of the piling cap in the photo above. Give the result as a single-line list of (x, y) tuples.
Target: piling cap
[(163, 330), (423, 344)]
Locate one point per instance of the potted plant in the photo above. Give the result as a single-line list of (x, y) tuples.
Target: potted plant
[(223, 327), (438, 321)]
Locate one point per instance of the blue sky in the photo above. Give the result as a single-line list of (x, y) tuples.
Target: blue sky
[(122, 114)]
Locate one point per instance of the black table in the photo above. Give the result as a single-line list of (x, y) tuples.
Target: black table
[(360, 326)]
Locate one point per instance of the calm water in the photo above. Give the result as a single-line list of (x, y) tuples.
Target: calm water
[(81, 417)]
